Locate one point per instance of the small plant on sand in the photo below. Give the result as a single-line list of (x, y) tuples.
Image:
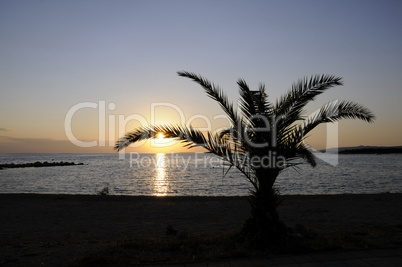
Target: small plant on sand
[(104, 191), (264, 139)]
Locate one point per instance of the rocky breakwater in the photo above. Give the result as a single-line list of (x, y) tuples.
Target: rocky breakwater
[(38, 164)]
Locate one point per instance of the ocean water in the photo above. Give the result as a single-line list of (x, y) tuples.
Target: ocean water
[(193, 175)]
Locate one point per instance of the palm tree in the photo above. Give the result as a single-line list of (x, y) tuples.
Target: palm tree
[(263, 140)]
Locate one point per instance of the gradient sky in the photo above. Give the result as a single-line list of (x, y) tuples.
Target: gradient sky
[(124, 55)]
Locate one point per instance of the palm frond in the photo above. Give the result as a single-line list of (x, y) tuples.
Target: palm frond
[(290, 106), (247, 100), (219, 146), (305, 90), (236, 135), (189, 135), (213, 92), (304, 152), (335, 111), (243, 164), (292, 146), (254, 104), (264, 106)]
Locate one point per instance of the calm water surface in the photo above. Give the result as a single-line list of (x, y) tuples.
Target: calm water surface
[(194, 175)]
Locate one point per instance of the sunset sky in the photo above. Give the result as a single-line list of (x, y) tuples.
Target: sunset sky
[(105, 67)]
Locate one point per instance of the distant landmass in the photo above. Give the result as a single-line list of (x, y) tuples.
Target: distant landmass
[(366, 150)]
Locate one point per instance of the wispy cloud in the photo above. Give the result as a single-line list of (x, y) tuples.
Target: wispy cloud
[(5, 130)]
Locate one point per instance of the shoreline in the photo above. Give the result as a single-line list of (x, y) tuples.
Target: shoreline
[(187, 196), (56, 228)]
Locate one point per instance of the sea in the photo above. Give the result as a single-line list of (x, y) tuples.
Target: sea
[(198, 174)]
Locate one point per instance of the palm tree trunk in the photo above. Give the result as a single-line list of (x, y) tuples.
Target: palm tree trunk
[(264, 229)]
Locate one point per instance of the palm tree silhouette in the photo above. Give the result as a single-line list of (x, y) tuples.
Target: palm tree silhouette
[(264, 139)]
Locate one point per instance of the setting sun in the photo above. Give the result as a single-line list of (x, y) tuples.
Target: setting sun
[(160, 136)]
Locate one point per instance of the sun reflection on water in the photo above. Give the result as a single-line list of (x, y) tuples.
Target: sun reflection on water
[(160, 182)]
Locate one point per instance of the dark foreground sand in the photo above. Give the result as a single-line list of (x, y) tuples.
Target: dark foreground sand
[(53, 229)]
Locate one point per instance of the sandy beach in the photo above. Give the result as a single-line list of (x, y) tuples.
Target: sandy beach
[(50, 230)]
